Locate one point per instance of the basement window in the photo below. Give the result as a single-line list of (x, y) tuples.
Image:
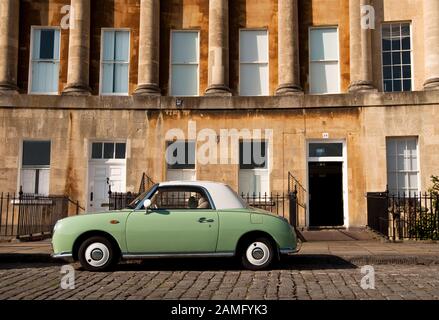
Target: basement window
[(35, 167)]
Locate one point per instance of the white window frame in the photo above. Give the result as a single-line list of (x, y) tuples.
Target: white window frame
[(31, 60), (310, 61), (252, 63), (101, 67), (171, 63), (21, 151), (412, 61), (405, 172), (266, 170)]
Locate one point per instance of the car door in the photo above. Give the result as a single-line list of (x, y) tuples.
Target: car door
[(178, 221)]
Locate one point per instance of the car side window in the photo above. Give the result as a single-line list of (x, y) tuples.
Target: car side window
[(179, 198)]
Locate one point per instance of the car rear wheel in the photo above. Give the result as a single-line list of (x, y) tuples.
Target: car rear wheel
[(96, 254), (257, 254)]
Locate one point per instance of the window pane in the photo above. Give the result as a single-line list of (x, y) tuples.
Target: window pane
[(397, 72), (96, 150), (386, 45), (324, 77), (406, 57), (253, 46), (397, 85), (396, 58), (387, 73), (28, 177), (108, 150), (47, 44), (121, 78), (388, 87), (406, 45), (324, 44), (325, 149), (387, 59), (386, 31), (36, 153), (396, 44), (184, 81), (45, 77), (43, 181), (407, 72), (184, 47), (122, 46), (120, 150), (108, 54), (253, 80), (407, 85), (405, 29), (108, 78), (396, 30)]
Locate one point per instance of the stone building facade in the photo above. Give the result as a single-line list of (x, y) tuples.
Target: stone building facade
[(347, 89)]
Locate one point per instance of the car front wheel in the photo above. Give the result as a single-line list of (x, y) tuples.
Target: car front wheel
[(96, 254), (257, 254)]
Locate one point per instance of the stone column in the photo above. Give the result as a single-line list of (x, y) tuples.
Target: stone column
[(218, 79), (288, 37), (360, 50), (431, 41), (149, 48), (9, 26), (79, 49)]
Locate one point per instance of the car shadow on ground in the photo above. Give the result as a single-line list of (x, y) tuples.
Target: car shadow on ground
[(298, 262)]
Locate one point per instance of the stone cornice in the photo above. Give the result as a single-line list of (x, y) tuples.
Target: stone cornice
[(373, 99)]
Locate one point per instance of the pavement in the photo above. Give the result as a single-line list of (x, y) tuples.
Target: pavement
[(329, 270)]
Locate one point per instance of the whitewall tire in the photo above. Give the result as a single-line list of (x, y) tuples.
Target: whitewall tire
[(257, 254), (96, 254)]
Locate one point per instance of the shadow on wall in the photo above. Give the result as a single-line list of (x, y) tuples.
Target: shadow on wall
[(32, 13), (102, 16), (171, 17), (237, 20)]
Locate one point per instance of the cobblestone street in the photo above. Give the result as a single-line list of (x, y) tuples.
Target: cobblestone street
[(203, 280)]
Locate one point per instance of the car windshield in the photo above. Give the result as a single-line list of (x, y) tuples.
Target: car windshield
[(133, 204)]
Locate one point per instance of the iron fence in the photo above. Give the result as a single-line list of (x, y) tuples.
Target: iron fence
[(400, 217), (298, 197), (28, 215)]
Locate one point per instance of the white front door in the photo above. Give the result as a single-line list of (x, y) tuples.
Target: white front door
[(101, 177)]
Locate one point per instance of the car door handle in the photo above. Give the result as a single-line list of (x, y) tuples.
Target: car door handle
[(205, 220)]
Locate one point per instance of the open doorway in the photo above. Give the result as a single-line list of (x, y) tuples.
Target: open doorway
[(327, 184)]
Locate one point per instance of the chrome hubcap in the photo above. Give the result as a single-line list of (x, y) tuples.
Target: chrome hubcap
[(258, 253), (97, 254)]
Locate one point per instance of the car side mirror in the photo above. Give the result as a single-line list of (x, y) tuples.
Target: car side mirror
[(146, 205)]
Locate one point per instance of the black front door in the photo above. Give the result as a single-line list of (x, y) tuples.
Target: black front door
[(326, 194)]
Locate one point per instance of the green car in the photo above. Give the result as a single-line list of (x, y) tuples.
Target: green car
[(176, 219)]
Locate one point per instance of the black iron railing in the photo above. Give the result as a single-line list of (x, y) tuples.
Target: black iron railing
[(398, 217), (276, 203), (297, 193), (29, 215)]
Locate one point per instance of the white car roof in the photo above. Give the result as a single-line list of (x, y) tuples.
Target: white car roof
[(222, 195)]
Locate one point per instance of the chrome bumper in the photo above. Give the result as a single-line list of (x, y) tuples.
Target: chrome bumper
[(290, 251), (62, 255)]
